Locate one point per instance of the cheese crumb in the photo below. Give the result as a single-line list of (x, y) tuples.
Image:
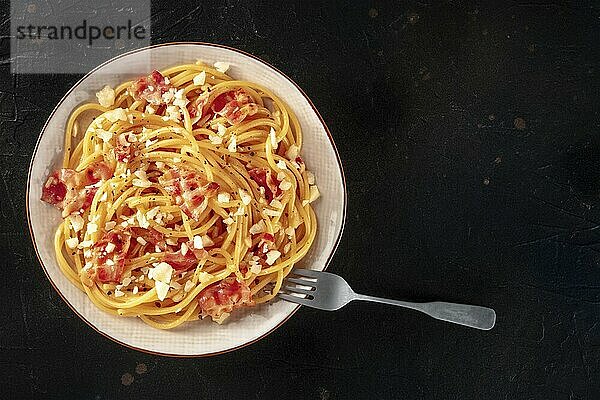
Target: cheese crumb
[(135, 290), (221, 130), (259, 227), (221, 66), (246, 198), (162, 272), (110, 247), (240, 211), (292, 152), (152, 213), (119, 293), (228, 221), (314, 193), (276, 203), (76, 222), (118, 114), (188, 286), (106, 136), (106, 96), (198, 242), (223, 197), (142, 219), (150, 110), (272, 256), (207, 241), (162, 289), (281, 164), (285, 185), (141, 241), (273, 138), (92, 228), (255, 268), (214, 139), (200, 78), (141, 183), (232, 144), (271, 213), (72, 242), (184, 249), (204, 276)]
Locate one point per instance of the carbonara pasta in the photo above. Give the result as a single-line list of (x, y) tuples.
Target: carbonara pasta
[(185, 197)]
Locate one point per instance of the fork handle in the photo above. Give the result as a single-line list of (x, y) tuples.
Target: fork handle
[(473, 316)]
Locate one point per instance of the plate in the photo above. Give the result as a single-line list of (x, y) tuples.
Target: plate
[(198, 338)]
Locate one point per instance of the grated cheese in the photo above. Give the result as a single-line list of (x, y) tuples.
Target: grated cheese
[(200, 78), (232, 144), (285, 185), (223, 197), (246, 198), (272, 256), (106, 96), (72, 242), (273, 138), (221, 66), (259, 227)]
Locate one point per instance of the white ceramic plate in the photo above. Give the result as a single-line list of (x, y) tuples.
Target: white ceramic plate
[(198, 338)]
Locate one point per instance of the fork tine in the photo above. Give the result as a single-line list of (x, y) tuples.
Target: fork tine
[(306, 272), (295, 289), (295, 299), (300, 281)]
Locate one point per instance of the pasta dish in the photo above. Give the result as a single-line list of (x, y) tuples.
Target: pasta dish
[(185, 197)]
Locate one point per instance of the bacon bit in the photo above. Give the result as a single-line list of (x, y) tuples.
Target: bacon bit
[(150, 88), (244, 266), (123, 152), (190, 190), (181, 262), (268, 237), (300, 162), (70, 191), (109, 269), (235, 105), (54, 189), (223, 297), (196, 107), (149, 235), (265, 179), (98, 171)]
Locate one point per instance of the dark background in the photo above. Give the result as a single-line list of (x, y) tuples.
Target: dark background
[(469, 134)]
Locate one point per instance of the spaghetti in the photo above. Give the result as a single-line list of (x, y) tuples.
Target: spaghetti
[(185, 197)]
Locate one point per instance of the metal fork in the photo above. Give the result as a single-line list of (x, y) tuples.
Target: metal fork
[(330, 292)]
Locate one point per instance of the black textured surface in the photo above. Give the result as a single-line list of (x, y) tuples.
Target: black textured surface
[(469, 134)]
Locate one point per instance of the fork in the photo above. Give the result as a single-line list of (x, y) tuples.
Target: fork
[(327, 291)]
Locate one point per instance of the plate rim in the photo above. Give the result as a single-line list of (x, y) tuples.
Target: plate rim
[(35, 152)]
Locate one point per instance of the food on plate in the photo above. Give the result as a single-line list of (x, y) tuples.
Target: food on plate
[(185, 197)]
